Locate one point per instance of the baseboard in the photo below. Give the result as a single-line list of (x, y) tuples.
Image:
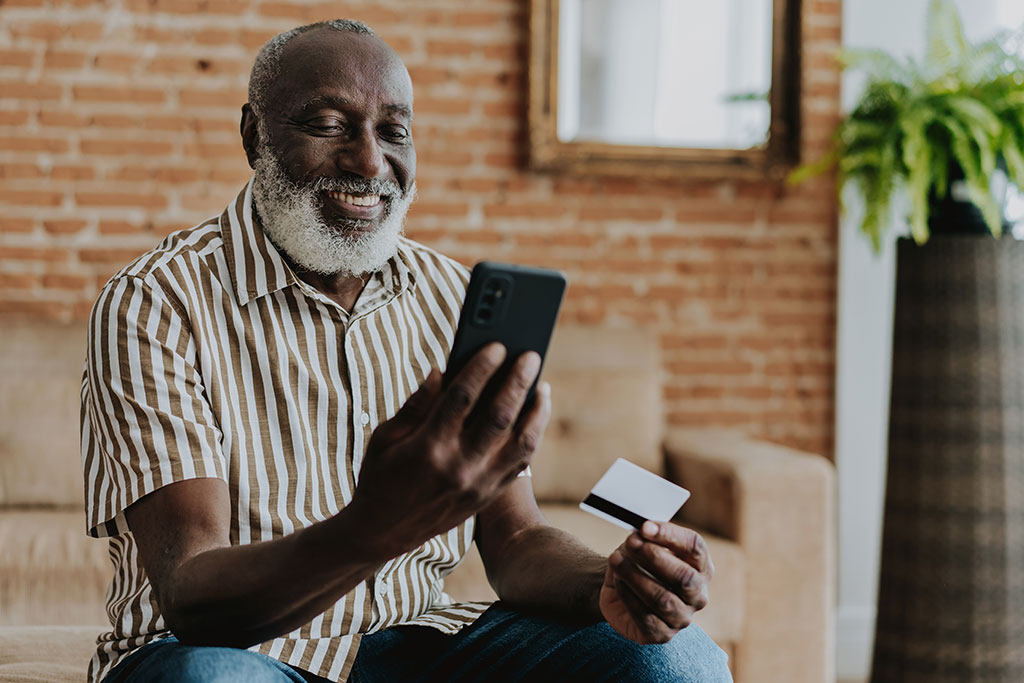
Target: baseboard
[(855, 633)]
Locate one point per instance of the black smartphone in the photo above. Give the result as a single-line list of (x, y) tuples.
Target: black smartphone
[(514, 305)]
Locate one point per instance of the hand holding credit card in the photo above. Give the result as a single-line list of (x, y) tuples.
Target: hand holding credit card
[(628, 495)]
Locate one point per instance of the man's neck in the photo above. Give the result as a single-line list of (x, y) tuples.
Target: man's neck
[(344, 290)]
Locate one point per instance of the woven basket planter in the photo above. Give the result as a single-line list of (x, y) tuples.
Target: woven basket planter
[(951, 592)]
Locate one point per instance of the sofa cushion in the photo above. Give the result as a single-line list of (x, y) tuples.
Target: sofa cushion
[(54, 654), (722, 618), (606, 404), (50, 571), (40, 458)]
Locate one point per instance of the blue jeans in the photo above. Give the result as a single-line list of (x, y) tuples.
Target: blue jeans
[(502, 645)]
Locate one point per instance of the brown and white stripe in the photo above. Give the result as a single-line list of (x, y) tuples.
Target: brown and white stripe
[(208, 357)]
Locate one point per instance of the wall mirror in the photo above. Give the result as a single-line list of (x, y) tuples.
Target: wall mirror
[(665, 87)]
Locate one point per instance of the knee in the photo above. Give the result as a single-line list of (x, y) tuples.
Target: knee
[(198, 664), (690, 657)]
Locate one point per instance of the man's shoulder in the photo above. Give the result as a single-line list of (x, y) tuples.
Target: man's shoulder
[(181, 262), (177, 254), (429, 263)]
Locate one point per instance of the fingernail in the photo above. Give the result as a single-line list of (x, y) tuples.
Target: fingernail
[(532, 361), (615, 559), (634, 541), (544, 388), (650, 529)]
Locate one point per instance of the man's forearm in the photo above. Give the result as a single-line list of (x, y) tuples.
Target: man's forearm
[(242, 595), (549, 569)]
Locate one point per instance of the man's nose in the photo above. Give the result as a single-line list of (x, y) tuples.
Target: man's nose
[(363, 157)]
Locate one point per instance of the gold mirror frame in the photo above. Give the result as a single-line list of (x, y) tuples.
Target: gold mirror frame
[(771, 160)]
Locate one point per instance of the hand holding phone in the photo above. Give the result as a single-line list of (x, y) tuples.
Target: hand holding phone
[(449, 451), (516, 306)]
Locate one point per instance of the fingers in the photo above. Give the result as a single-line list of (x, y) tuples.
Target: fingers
[(458, 399), (684, 543), (658, 599), (653, 628), (669, 571), (518, 451), (497, 415)]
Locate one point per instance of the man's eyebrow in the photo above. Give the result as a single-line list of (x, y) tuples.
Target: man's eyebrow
[(400, 109), (335, 102)]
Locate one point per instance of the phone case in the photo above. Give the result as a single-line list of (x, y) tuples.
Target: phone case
[(514, 305)]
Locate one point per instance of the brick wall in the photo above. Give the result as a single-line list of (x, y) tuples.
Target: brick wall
[(118, 124)]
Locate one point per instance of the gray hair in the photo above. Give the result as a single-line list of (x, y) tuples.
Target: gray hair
[(267, 66)]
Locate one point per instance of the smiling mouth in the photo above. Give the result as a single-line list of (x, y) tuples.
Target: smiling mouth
[(355, 199)]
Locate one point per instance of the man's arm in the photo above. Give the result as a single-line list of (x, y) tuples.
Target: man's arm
[(443, 457), (531, 563), (213, 593), (648, 589)]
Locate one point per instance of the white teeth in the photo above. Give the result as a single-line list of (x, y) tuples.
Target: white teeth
[(356, 200)]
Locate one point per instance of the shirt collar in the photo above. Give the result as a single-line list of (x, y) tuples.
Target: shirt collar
[(258, 268)]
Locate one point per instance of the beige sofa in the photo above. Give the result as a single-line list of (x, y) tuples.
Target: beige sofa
[(767, 511)]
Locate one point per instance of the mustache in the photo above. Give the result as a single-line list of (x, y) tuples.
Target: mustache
[(352, 184)]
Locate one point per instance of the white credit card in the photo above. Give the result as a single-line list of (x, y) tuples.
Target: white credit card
[(628, 495)]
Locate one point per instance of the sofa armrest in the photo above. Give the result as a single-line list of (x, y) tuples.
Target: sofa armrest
[(778, 504)]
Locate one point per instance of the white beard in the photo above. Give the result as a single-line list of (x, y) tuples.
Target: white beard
[(292, 219)]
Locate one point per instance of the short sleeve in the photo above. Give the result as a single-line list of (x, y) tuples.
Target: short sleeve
[(146, 421)]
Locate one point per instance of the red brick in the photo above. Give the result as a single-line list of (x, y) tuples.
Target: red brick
[(10, 225), (16, 170), (128, 199), (61, 118), (61, 281), (460, 105), (624, 213), (232, 98), (85, 30), (47, 310), (121, 228), (109, 256), (63, 59), (72, 172), (99, 93), (41, 30), (30, 198), (450, 48), (12, 57), (13, 118), (21, 90), (64, 227), (47, 254), (33, 144), (427, 208), (153, 148), (19, 281), (524, 210)]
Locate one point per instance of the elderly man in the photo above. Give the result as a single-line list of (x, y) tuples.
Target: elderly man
[(270, 451)]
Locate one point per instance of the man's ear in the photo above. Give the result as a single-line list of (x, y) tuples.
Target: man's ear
[(250, 134)]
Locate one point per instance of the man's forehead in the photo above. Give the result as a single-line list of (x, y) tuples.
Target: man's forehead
[(326, 63)]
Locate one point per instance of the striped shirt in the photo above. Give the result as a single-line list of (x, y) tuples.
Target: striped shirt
[(208, 357)]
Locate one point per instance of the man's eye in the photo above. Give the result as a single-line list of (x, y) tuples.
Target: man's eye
[(395, 133), (326, 124)]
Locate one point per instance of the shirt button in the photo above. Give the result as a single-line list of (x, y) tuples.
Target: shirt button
[(364, 419), (382, 587)]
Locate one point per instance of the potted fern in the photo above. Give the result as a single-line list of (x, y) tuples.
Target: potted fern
[(938, 129), (950, 602)]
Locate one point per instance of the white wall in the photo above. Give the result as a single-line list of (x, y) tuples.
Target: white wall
[(864, 334)]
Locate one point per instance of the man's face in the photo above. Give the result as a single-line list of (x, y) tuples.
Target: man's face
[(335, 162)]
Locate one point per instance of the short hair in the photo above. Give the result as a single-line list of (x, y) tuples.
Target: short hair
[(267, 66)]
